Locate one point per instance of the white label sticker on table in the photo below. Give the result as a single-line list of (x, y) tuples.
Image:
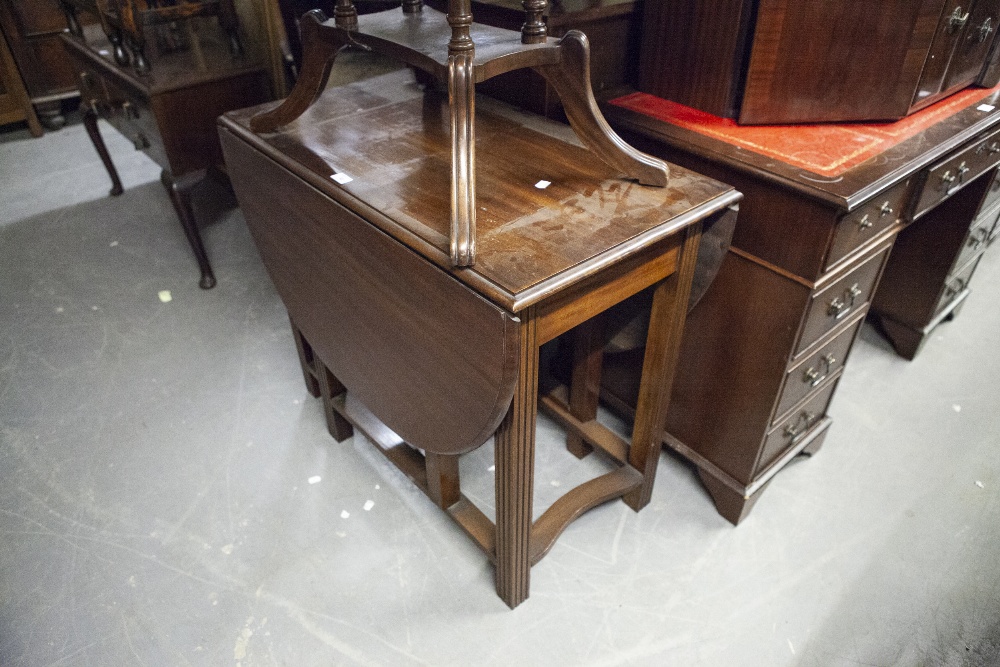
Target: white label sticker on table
[(342, 178), (541, 185), (986, 107)]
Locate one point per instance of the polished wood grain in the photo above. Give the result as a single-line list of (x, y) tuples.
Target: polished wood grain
[(693, 50), (820, 61), (397, 151)]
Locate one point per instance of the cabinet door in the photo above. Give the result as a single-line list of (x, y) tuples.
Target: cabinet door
[(973, 45), (817, 60)]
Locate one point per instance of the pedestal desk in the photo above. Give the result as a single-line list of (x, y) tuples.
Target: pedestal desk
[(764, 349), (349, 207)]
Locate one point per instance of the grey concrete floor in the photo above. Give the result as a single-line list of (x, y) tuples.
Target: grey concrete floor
[(169, 494)]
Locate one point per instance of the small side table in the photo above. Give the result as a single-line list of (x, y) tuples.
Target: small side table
[(168, 113), (349, 207)]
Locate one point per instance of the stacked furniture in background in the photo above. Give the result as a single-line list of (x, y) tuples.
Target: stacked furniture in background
[(796, 61)]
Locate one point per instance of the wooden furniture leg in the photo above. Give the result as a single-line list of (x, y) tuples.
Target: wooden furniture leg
[(663, 342), (585, 384), (307, 360), (179, 190), (90, 122), (443, 484), (330, 388), (515, 472)]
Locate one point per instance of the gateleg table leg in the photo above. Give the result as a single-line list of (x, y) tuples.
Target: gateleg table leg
[(666, 325), (585, 385), (515, 472)]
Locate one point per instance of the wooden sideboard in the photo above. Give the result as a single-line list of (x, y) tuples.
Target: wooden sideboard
[(785, 61), (168, 113), (764, 349)]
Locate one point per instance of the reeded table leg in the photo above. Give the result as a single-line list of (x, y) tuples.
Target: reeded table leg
[(180, 195), (515, 472), (90, 122)]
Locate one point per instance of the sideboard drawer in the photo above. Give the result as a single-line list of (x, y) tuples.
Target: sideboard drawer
[(790, 431), (947, 177), (976, 240), (814, 370), (867, 222), (831, 306)]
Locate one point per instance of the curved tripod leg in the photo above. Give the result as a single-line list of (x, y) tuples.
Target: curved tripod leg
[(571, 81), (320, 46), (462, 100)]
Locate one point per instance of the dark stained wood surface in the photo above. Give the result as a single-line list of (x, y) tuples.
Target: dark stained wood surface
[(405, 340), (531, 241), (814, 60), (692, 52)]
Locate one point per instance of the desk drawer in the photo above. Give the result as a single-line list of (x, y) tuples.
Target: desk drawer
[(866, 222), (790, 431), (976, 240), (947, 177), (956, 284), (832, 305), (813, 371)]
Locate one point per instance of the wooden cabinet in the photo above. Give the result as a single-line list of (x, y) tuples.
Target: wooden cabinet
[(14, 102), (782, 61), (32, 27), (810, 259)]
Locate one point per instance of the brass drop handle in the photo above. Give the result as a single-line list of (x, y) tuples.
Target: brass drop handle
[(130, 110), (885, 210), (947, 178), (962, 171), (985, 29), (954, 287), (957, 21), (795, 430), (994, 147), (865, 222), (979, 238), (813, 376), (840, 307)]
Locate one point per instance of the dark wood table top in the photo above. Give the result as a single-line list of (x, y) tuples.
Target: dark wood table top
[(208, 60), (391, 140), (845, 190)]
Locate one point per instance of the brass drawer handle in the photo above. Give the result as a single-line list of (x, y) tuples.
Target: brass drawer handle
[(954, 287), (865, 222), (979, 237), (962, 171), (947, 178), (795, 430), (840, 307), (140, 142), (130, 110), (885, 210), (813, 376), (957, 21), (984, 30)]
